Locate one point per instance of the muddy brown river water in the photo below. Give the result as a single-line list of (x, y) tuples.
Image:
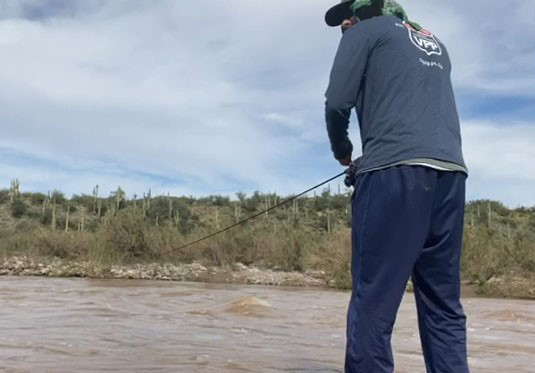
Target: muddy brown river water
[(77, 325)]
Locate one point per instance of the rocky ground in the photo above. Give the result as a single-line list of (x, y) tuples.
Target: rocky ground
[(238, 273), (497, 287)]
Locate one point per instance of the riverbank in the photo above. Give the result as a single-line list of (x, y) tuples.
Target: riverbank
[(235, 274), (238, 273), (306, 244)]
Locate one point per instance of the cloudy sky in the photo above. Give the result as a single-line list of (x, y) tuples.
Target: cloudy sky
[(199, 98)]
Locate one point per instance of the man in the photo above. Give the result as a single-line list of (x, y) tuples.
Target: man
[(408, 205)]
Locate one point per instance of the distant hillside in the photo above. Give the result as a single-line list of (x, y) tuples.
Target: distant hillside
[(309, 233)]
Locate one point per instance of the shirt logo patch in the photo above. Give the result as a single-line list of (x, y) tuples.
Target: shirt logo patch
[(424, 40)]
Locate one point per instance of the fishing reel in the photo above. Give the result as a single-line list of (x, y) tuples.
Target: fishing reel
[(351, 173)]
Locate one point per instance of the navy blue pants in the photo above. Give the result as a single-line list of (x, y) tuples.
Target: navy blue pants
[(407, 222)]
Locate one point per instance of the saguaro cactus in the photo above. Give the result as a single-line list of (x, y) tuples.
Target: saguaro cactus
[(216, 218), (119, 197), (53, 221), (67, 218), (46, 203), (99, 208), (489, 221), (95, 199), (14, 190), (170, 201), (146, 203), (237, 212), (177, 217)]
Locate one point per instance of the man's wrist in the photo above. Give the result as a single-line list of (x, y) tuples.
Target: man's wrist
[(343, 152), (344, 157), (345, 161)]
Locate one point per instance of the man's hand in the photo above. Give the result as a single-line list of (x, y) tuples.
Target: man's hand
[(351, 173), (345, 161)]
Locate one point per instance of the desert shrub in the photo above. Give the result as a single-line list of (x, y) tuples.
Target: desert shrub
[(103, 209), (61, 221), (159, 207), (57, 196), (91, 225), (34, 215), (482, 256), (187, 220), (125, 236), (26, 226), (220, 201), (87, 201), (279, 246), (524, 253), (98, 257), (531, 222), (18, 208), (69, 205), (21, 244), (35, 198), (333, 255), (46, 218), (164, 242), (60, 244), (253, 203), (219, 252), (4, 196), (228, 248)]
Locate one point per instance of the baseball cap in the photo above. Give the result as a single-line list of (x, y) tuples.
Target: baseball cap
[(347, 8), (338, 13)]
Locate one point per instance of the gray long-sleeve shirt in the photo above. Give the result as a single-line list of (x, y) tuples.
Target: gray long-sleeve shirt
[(398, 79)]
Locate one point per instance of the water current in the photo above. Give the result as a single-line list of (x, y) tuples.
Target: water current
[(80, 325)]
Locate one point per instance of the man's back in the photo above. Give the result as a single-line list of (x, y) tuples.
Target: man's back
[(398, 79), (408, 204)]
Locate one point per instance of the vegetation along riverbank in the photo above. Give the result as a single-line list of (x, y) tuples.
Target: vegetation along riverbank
[(303, 243)]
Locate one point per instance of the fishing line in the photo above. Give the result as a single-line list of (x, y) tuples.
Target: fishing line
[(258, 214)]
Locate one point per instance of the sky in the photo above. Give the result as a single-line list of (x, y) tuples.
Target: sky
[(200, 98)]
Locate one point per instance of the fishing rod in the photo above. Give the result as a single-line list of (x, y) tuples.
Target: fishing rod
[(350, 173)]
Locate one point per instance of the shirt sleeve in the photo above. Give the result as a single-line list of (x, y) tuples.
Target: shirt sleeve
[(345, 80)]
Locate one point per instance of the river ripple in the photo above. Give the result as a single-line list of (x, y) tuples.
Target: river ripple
[(80, 325)]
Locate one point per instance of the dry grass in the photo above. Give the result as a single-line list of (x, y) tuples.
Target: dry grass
[(499, 249)]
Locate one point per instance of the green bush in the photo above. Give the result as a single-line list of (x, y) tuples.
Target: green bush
[(4, 196), (84, 200), (46, 218), (26, 226), (220, 201), (57, 196), (19, 244), (62, 245), (18, 208), (125, 236), (35, 198), (332, 254), (159, 207)]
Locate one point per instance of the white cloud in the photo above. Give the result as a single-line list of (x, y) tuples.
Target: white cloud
[(491, 44), (201, 98), (501, 161)]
